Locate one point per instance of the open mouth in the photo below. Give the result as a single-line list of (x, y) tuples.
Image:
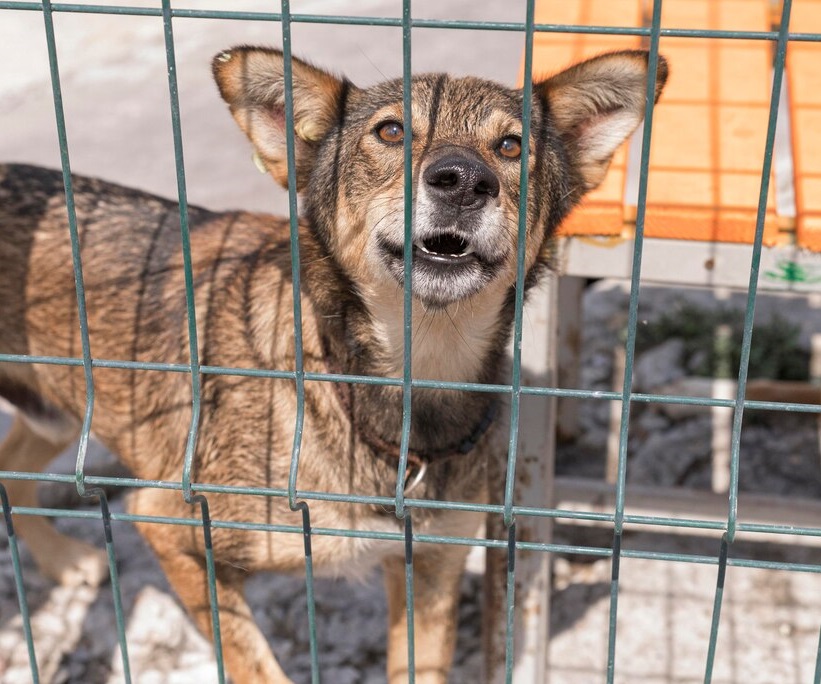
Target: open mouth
[(447, 248), (446, 267)]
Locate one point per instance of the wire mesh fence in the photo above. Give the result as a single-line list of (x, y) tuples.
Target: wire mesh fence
[(299, 500)]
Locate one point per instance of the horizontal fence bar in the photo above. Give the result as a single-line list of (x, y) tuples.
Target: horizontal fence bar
[(603, 395), (396, 22), (399, 537), (433, 504)]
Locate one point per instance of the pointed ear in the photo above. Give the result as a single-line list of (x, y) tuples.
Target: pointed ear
[(252, 81), (597, 104)]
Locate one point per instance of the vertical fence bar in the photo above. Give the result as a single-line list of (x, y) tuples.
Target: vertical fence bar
[(409, 597), (630, 344), (407, 330), (211, 572), (407, 314), (293, 223), (76, 258), (299, 367), (182, 197), (18, 585), (755, 262), (510, 612), (82, 315), (516, 380), (717, 601), (746, 341), (309, 590), (115, 583), (193, 344)]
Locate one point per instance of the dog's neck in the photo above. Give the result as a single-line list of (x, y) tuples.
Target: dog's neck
[(364, 325), (362, 334), (450, 344)]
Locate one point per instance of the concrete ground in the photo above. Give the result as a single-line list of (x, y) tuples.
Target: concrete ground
[(116, 101)]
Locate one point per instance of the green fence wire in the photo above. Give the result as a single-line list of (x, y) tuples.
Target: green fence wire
[(196, 493)]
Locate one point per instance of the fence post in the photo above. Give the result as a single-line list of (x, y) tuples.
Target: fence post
[(534, 487)]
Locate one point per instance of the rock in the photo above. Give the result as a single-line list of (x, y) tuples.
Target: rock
[(665, 458), (652, 421), (343, 675), (659, 366), (374, 676), (161, 639), (697, 361)]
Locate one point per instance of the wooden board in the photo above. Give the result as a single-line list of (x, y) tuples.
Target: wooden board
[(710, 129)]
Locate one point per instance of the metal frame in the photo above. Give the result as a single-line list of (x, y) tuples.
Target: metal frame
[(512, 513)]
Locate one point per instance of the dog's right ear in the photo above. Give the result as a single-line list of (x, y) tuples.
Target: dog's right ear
[(252, 82)]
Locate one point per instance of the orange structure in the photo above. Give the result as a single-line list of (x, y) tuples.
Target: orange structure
[(804, 88), (710, 126)]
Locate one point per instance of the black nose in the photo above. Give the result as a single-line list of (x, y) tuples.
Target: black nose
[(462, 181)]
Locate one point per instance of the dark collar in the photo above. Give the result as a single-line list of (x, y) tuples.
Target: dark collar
[(391, 450), (418, 461)]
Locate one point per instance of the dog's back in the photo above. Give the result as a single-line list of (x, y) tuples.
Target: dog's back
[(134, 292)]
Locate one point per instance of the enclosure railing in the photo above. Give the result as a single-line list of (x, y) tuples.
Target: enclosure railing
[(197, 493)]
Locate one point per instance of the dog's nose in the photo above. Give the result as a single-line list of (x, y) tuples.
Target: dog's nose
[(460, 180)]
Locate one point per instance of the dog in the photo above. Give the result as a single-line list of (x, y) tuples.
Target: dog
[(348, 152)]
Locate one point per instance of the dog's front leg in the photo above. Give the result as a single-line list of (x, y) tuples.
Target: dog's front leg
[(248, 658), (436, 575)]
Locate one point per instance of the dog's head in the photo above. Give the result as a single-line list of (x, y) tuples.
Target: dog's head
[(466, 143)]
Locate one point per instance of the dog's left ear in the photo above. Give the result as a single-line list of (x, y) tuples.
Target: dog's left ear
[(252, 82), (597, 104)]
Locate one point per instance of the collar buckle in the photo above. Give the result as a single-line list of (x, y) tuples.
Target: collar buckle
[(415, 473)]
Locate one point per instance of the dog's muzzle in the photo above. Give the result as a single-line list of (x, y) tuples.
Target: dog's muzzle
[(457, 245)]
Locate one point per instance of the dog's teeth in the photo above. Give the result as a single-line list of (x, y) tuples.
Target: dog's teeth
[(225, 56), (421, 245), (469, 250)]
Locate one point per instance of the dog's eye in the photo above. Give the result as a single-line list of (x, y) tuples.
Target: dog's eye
[(391, 132), (510, 147)]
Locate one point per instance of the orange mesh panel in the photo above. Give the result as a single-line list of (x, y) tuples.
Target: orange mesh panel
[(708, 133), (602, 211)]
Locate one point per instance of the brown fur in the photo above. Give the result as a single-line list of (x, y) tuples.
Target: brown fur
[(352, 323)]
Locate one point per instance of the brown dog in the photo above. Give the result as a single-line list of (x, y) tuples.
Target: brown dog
[(349, 167)]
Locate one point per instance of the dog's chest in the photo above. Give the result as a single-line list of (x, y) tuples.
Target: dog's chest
[(449, 345), (360, 550), (369, 540), (352, 546)]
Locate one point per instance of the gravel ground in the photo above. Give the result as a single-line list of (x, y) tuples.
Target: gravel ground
[(670, 445), (76, 639)]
